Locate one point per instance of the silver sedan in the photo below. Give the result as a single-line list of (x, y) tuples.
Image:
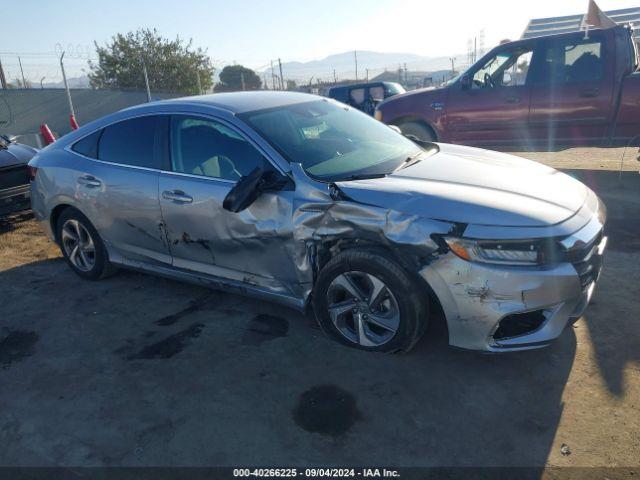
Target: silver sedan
[(305, 201)]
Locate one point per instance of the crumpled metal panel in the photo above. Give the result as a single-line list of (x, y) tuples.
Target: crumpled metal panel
[(318, 219)]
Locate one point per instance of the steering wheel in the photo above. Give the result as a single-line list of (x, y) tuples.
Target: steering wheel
[(488, 81)]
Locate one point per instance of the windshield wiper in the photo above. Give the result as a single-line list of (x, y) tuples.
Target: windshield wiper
[(362, 176), (411, 160)]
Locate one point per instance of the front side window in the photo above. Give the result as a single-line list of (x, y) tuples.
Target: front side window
[(575, 62), (211, 149), (507, 68), (332, 142), (131, 142), (376, 93)]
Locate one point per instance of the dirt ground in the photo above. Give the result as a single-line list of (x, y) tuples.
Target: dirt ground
[(136, 370)]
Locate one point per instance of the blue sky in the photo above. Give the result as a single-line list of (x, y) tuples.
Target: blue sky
[(252, 32)]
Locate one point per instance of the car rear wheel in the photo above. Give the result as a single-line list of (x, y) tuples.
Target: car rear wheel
[(418, 130), (81, 246), (365, 300)]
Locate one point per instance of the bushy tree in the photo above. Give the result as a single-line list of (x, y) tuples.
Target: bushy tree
[(237, 77), (172, 65)]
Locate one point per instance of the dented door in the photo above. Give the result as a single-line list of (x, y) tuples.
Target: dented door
[(208, 157)]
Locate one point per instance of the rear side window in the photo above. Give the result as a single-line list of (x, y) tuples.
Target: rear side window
[(88, 146), (131, 142), (357, 96), (573, 62)]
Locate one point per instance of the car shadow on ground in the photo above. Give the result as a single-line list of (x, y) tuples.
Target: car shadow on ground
[(138, 370), (612, 316), (9, 222)]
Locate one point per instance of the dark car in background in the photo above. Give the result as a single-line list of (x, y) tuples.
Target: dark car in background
[(365, 96), (14, 176), (547, 92)]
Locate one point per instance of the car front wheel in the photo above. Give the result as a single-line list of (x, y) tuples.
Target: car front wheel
[(366, 300)]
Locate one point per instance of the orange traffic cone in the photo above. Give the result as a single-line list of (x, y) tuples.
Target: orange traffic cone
[(47, 136)]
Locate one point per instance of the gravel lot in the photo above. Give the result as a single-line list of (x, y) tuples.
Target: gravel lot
[(137, 370)]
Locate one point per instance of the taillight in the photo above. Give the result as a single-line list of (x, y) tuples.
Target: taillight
[(32, 172)]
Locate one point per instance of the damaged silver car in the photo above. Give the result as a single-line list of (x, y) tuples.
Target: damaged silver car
[(303, 200)]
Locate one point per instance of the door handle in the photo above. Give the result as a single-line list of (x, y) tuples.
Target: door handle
[(89, 181), (590, 93), (177, 196), (513, 99)]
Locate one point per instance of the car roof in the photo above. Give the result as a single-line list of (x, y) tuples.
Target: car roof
[(241, 102), (358, 85)]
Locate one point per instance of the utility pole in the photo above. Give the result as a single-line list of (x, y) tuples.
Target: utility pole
[(146, 80), (66, 87), (355, 58), (367, 70), (24, 84), (335, 79), (273, 77), (281, 77), (453, 68), (242, 80), (199, 83), (42, 80), (475, 49), (3, 80)]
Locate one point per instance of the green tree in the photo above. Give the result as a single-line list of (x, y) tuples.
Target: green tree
[(172, 65), (237, 77)]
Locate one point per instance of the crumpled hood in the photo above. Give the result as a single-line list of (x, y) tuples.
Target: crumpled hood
[(475, 186)]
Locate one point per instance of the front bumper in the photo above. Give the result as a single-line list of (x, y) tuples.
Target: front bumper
[(478, 298)]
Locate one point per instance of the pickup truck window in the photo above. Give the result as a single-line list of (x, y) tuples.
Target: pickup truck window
[(357, 96), (573, 62), (507, 68)]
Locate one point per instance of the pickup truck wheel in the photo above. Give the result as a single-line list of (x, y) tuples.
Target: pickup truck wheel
[(416, 129), (366, 300), (82, 247)]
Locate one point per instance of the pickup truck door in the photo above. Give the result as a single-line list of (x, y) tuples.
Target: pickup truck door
[(571, 96), (491, 106)]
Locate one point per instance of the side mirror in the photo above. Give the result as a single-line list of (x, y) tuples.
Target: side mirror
[(244, 193), (249, 188), (465, 82)]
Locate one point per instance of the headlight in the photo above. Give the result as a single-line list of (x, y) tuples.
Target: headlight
[(496, 252)]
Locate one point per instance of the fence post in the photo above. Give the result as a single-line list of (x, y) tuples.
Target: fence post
[(66, 87)]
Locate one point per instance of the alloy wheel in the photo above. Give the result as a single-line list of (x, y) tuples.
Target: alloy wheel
[(78, 245), (363, 309)]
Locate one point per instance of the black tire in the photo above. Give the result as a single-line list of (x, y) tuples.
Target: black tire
[(418, 130), (413, 309), (101, 267)]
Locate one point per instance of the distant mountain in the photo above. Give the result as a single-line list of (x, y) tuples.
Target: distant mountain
[(376, 62), (74, 82)]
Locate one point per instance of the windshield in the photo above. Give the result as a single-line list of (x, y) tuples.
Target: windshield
[(394, 88), (332, 142)]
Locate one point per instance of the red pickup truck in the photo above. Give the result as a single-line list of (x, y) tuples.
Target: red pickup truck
[(548, 92)]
